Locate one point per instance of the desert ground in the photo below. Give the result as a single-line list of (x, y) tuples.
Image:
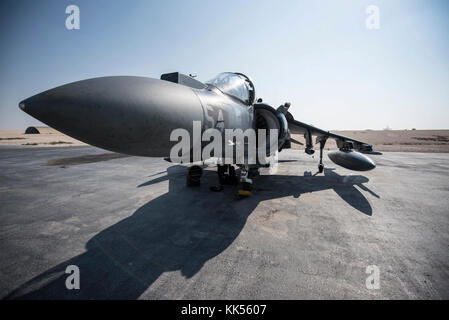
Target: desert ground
[(436, 141), (135, 231), (47, 137)]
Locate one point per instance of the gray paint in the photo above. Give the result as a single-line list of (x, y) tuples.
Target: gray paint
[(131, 115), (352, 160)]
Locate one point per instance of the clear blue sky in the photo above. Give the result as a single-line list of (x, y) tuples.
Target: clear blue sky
[(319, 55)]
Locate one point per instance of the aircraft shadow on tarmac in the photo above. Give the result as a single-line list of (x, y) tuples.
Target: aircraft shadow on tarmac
[(179, 231)]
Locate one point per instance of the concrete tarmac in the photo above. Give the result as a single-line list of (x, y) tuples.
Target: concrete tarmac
[(135, 231)]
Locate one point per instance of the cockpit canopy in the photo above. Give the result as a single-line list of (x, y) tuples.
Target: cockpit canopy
[(235, 84)]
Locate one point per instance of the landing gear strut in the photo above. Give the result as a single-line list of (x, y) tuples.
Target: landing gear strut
[(309, 145)]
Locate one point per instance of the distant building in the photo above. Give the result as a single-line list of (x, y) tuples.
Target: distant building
[(32, 130), (42, 130)]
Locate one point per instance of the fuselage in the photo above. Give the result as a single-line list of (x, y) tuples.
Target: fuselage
[(136, 115)]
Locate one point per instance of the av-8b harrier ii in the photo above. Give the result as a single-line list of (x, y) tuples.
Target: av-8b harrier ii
[(138, 115)]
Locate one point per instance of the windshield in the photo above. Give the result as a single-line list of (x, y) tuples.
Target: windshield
[(233, 84)]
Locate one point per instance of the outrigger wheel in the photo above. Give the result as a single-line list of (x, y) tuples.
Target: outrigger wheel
[(194, 176), (320, 168)]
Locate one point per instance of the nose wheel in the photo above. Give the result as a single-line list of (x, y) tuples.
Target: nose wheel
[(226, 176)]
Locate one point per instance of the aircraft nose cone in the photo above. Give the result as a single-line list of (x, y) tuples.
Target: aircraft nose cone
[(132, 115), (22, 105)]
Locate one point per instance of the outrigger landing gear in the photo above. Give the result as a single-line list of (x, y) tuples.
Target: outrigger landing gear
[(322, 142)]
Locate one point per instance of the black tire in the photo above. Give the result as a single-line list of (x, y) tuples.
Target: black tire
[(320, 168), (194, 176)]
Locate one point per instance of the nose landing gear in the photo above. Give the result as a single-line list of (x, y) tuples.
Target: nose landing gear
[(226, 176)]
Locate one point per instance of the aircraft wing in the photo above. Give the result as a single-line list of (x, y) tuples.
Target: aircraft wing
[(298, 127)]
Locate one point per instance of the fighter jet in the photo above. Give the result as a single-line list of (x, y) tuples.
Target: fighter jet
[(137, 116)]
